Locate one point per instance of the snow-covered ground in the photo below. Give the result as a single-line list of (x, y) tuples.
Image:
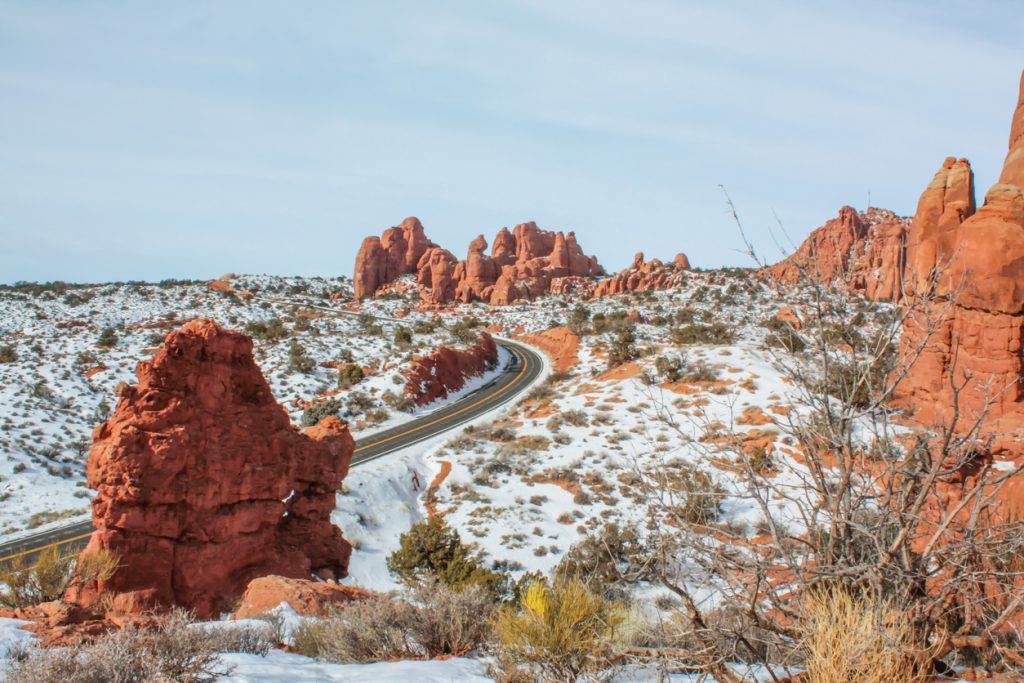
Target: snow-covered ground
[(522, 484), (525, 485)]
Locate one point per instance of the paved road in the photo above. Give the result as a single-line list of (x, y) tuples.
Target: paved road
[(522, 369)]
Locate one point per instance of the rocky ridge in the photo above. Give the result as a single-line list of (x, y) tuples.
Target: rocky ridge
[(524, 263), (864, 251), (446, 370)]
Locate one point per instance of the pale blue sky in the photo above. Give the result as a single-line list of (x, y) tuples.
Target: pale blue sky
[(144, 140)]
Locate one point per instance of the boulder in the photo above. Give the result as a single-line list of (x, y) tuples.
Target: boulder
[(308, 598), (203, 483)]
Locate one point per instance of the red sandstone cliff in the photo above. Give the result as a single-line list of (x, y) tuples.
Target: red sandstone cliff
[(864, 251), (524, 263), (980, 307), (386, 258), (203, 484), (446, 370)]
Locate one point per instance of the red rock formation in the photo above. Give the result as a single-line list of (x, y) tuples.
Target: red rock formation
[(385, 259), (981, 299), (203, 484), (436, 276), (525, 263), (945, 204), (542, 259), (446, 370), (308, 598), (864, 251), (643, 276), (559, 343), (477, 274)]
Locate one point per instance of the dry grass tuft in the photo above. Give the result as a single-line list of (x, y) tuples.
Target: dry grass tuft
[(564, 629), (860, 639)]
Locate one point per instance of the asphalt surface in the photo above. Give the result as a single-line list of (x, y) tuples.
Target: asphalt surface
[(517, 376)]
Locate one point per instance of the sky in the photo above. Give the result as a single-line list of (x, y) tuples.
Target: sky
[(150, 139)]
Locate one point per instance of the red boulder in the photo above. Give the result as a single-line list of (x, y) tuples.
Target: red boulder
[(203, 483)]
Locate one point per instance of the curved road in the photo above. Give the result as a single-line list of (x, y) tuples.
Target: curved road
[(520, 371)]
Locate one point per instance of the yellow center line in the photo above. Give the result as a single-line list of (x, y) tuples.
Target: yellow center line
[(44, 547), (526, 365)]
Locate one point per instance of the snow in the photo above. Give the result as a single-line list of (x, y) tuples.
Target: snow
[(13, 637), (282, 666)]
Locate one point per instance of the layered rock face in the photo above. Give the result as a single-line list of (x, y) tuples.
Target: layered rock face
[(446, 370), (203, 484), (524, 263), (864, 251), (643, 276), (978, 315)]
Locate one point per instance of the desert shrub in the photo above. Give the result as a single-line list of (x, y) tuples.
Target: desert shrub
[(88, 359), (782, 335), (298, 359), (25, 581), (267, 330), (694, 494), (252, 639), (860, 639), (602, 558), (430, 550), (523, 445), (854, 383), (398, 401), (842, 334), (623, 347), (563, 629), (452, 621), (313, 414), (360, 632), (575, 418), (99, 565), (579, 316), (426, 326), (369, 326), (465, 330), (541, 393), (699, 333), (403, 336), (8, 354), (358, 403), (107, 338), (670, 367), (438, 621), (173, 650), (349, 374), (700, 372)]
